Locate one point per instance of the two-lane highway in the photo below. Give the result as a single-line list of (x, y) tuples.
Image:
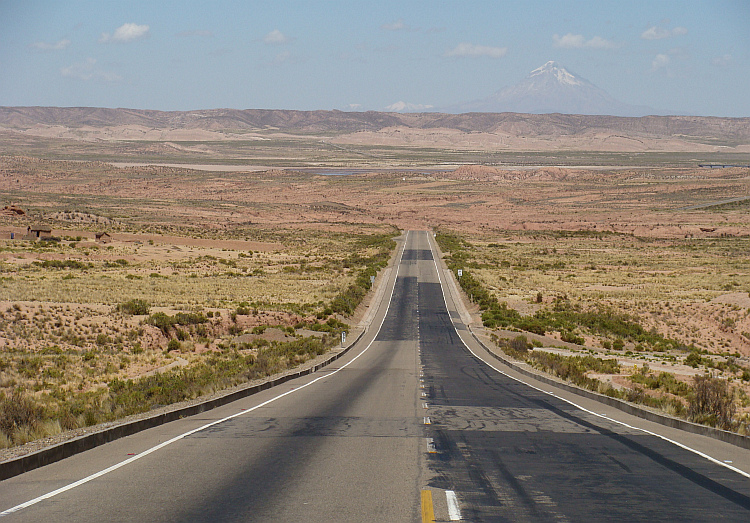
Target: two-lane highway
[(408, 424)]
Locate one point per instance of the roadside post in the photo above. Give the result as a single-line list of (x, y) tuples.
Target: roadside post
[(343, 338)]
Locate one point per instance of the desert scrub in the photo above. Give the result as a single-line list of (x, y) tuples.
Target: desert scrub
[(712, 402), (218, 371), (165, 322), (562, 316), (569, 368), (24, 417), (134, 307), (20, 416), (347, 301)]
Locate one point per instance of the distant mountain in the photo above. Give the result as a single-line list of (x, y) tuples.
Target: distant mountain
[(552, 89), (695, 129)]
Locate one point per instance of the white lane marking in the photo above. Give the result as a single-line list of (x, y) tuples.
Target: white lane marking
[(208, 425), (690, 449), (454, 512)]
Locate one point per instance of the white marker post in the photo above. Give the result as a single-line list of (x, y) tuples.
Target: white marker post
[(343, 338), (460, 273)]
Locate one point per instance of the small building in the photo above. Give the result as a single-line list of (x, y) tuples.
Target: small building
[(38, 232), (103, 237)]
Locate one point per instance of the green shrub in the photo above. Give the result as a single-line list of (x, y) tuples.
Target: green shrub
[(18, 411), (712, 402), (134, 307), (693, 359), (162, 321), (62, 264)]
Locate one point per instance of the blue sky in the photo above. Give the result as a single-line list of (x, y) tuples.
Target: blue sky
[(685, 56)]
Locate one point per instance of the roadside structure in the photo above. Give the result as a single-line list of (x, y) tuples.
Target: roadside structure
[(103, 237), (38, 232)]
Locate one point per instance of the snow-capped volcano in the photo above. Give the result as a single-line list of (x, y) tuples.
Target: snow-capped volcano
[(552, 89), (563, 76)]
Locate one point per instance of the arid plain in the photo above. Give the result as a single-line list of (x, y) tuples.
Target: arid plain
[(256, 229)]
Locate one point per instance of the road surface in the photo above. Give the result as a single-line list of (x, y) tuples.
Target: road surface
[(410, 425)]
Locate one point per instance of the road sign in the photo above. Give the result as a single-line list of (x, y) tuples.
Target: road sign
[(460, 272), (372, 280)]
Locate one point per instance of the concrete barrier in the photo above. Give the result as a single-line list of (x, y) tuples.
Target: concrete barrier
[(630, 408), (40, 458)]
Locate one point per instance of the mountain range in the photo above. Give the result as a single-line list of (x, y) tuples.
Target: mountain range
[(734, 130)]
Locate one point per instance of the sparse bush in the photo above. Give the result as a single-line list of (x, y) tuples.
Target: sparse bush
[(693, 359), (62, 264), (243, 309), (134, 307), (18, 411), (162, 321), (712, 402)]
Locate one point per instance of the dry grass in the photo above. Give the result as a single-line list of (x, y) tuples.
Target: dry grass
[(65, 336), (686, 289)]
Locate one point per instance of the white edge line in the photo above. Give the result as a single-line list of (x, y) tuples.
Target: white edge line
[(454, 511), (208, 425), (681, 445)]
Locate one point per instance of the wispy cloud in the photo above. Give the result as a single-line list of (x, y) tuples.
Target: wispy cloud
[(401, 107), (125, 33), (467, 49), (195, 33), (659, 62), (283, 56), (276, 37), (55, 46), (571, 41), (398, 25), (660, 33), (87, 71), (722, 61)]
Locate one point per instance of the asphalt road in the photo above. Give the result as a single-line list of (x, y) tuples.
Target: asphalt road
[(407, 425)]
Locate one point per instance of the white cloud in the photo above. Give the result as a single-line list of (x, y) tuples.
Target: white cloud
[(398, 25), (87, 71), (722, 61), (467, 49), (660, 61), (571, 41), (56, 46), (354, 107), (125, 33), (659, 33), (276, 37), (406, 107)]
